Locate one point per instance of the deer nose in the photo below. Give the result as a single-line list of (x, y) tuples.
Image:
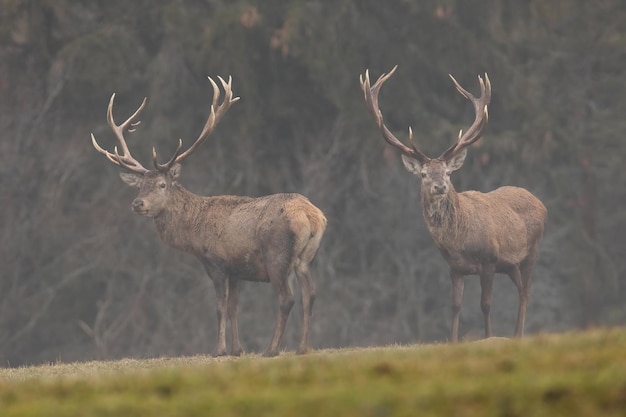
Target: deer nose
[(137, 204), (440, 188)]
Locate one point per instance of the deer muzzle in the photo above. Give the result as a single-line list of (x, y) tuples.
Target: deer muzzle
[(440, 189), (138, 206)]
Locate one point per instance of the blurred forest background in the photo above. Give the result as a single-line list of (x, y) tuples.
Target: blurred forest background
[(82, 277)]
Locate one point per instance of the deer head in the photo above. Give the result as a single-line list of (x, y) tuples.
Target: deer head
[(156, 185), (434, 173)]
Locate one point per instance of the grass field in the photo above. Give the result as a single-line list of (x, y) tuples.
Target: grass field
[(572, 374)]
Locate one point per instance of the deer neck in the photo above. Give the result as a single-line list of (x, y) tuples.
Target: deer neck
[(442, 217), (182, 216)]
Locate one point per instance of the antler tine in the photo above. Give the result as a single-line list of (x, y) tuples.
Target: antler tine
[(482, 116), (119, 129), (216, 113), (371, 102), (216, 91), (125, 160)]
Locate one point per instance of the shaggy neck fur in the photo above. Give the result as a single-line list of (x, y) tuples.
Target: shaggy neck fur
[(441, 216)]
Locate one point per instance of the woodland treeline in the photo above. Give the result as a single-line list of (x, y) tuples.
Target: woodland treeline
[(82, 277)]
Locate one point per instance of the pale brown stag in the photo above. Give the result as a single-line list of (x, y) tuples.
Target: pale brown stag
[(265, 239), (477, 233)]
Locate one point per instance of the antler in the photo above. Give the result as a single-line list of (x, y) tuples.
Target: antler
[(216, 114), (125, 160), (482, 116), (371, 102)]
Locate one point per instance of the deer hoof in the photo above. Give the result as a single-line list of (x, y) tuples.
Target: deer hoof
[(270, 353), (219, 352), (237, 352)]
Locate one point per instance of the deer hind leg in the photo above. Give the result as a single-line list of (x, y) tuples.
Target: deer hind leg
[(307, 285), (457, 297), (523, 289), (525, 281), (233, 316), (486, 286), (308, 298), (278, 270)]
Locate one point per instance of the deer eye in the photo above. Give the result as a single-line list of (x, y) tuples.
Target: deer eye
[(162, 185), (423, 175), (448, 172)]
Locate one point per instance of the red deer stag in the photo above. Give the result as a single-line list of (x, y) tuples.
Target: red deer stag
[(477, 233), (265, 239)]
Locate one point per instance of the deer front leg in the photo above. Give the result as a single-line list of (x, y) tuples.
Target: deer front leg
[(221, 285), (486, 286), (233, 315), (221, 293), (457, 297)]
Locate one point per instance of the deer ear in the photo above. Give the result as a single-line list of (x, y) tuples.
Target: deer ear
[(411, 164), (174, 172), (457, 160), (134, 180)]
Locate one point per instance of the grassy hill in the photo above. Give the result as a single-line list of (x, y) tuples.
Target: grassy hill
[(572, 374)]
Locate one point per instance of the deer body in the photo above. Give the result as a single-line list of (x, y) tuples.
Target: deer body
[(235, 236), (235, 233), (477, 233), (265, 239), (472, 229)]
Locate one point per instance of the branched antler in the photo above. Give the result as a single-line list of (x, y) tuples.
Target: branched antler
[(371, 102), (217, 112), (465, 139), (480, 122), (125, 160)]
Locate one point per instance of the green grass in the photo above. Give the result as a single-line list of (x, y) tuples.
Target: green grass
[(572, 374)]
